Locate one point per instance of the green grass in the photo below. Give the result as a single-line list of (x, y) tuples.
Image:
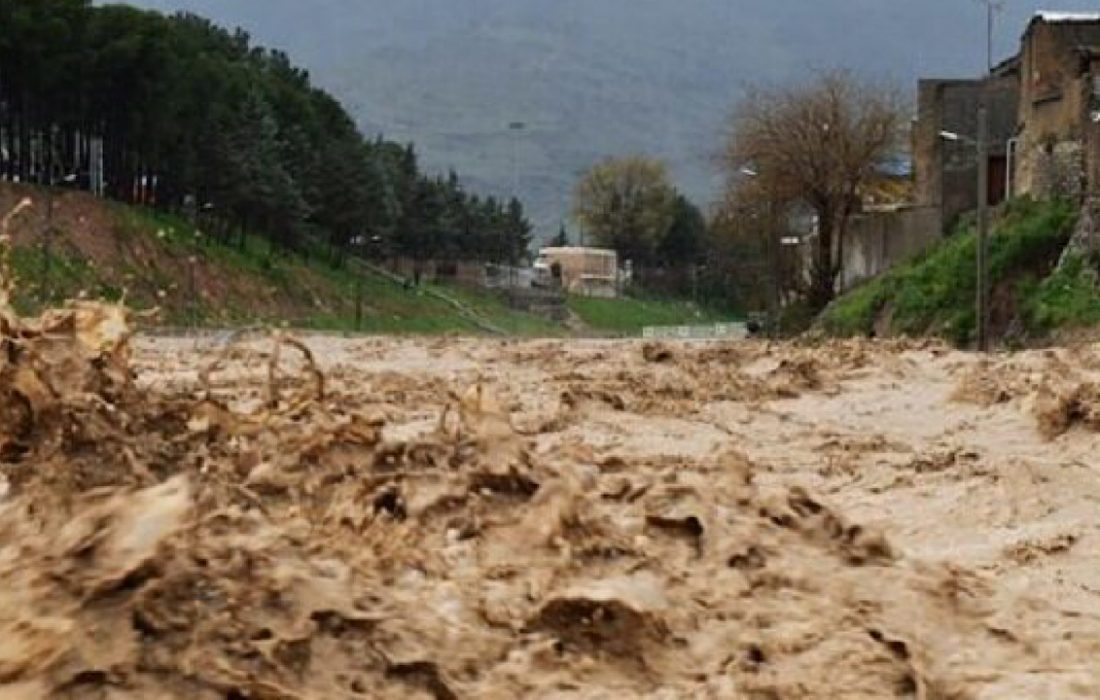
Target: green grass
[(628, 316), (934, 293), (43, 281), (313, 293), (1069, 298), (277, 287), (495, 310), (250, 253), (387, 310)]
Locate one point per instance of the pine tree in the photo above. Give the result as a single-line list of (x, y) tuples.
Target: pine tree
[(211, 118), (562, 239)]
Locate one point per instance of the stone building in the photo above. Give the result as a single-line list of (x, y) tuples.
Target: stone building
[(580, 270), (1044, 110), (1058, 108), (1044, 141), (946, 170)]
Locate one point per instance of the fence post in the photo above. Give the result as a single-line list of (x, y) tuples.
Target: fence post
[(359, 302), (44, 283)]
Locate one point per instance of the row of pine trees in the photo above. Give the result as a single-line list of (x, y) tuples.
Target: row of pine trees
[(178, 113)]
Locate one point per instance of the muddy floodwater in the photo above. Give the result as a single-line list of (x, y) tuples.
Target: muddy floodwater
[(252, 517)]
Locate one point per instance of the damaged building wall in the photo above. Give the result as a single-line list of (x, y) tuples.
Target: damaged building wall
[(946, 171), (1060, 119), (1086, 237), (1091, 123), (1056, 94)]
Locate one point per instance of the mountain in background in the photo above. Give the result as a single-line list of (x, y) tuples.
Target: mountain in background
[(592, 78)]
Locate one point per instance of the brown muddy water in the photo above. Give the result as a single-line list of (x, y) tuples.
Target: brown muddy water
[(388, 518)]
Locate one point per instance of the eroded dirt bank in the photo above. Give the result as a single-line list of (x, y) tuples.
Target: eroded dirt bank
[(232, 518)]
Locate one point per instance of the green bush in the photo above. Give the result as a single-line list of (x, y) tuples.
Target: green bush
[(934, 293), (855, 312), (1069, 297), (796, 318)]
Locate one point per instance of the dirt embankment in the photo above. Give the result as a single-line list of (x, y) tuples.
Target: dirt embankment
[(104, 248)]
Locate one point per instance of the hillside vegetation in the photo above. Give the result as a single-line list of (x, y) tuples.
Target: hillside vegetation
[(184, 115), (94, 248), (629, 316), (934, 293), (102, 249)]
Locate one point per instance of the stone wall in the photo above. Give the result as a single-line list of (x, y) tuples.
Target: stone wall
[(1092, 130), (1058, 170), (1056, 91), (946, 172)]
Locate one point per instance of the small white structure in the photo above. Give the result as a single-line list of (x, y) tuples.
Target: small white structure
[(586, 271), (714, 331)]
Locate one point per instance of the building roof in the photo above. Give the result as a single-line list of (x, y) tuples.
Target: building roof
[(1051, 17), (575, 250), (1009, 66)]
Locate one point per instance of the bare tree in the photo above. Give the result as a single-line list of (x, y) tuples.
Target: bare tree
[(626, 204), (752, 221), (820, 142)]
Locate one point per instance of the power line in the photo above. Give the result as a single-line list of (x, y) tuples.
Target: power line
[(982, 242), (992, 8)]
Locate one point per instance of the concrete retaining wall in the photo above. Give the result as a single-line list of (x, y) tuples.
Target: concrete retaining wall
[(878, 241)]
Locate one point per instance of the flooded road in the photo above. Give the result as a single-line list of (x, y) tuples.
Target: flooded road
[(451, 518)]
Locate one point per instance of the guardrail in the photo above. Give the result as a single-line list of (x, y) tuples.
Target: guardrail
[(713, 331)]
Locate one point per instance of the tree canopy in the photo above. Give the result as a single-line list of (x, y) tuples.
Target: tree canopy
[(819, 143), (183, 111), (627, 204)]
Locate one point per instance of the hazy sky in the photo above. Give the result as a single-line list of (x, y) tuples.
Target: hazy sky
[(906, 34), (598, 77)]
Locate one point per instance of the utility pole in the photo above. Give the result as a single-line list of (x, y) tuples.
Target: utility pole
[(772, 228), (989, 36), (992, 7), (515, 128), (983, 230), (982, 292), (359, 301), (772, 242), (192, 290)]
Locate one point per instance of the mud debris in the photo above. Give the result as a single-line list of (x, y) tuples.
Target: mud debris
[(1060, 389)]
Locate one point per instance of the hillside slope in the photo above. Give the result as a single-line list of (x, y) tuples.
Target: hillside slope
[(102, 249), (934, 293)]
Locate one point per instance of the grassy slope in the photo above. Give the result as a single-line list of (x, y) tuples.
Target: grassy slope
[(1068, 299), (102, 250), (629, 316), (265, 288), (146, 255), (385, 307), (495, 310), (934, 293)]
